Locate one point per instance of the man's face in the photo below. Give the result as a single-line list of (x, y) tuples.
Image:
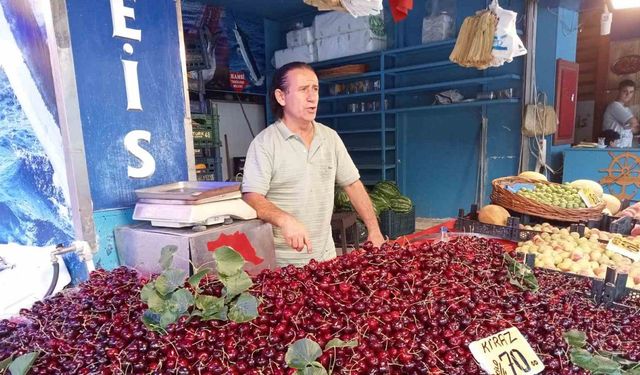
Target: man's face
[(626, 94), (300, 98)]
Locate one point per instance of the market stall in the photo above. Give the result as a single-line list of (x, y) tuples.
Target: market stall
[(545, 279)]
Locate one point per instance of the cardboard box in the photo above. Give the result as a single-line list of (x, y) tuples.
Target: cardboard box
[(306, 53), (139, 246), (300, 37), (348, 44)]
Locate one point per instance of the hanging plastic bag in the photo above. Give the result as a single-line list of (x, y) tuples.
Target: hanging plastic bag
[(506, 42)]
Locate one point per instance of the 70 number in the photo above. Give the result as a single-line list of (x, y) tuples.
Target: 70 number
[(516, 358)]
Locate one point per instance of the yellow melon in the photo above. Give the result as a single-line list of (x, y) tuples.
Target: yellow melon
[(493, 214), (613, 203), (588, 184), (533, 175)]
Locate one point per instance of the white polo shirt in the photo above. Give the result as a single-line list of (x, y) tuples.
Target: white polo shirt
[(300, 182)]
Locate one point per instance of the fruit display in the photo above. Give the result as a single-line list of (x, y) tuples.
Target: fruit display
[(564, 196), (586, 256), (595, 233), (533, 175), (588, 185), (404, 310), (613, 203), (493, 214)]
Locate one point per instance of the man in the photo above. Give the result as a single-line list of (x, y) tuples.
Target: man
[(291, 170), (618, 116)]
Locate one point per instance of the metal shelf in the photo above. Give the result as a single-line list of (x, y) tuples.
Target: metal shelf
[(348, 114), (458, 83), (364, 131), (346, 96), (430, 65), (349, 77), (375, 166), (476, 103), (365, 149)]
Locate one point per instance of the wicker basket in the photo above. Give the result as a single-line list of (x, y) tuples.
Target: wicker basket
[(503, 197)]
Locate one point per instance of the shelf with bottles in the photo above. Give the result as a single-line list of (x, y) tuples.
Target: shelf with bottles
[(469, 103), (451, 84)]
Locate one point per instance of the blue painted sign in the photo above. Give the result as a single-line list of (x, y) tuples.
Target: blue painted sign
[(130, 88)]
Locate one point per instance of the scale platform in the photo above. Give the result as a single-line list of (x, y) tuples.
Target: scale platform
[(191, 203)]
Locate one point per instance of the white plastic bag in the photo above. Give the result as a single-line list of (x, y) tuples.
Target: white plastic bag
[(506, 42)]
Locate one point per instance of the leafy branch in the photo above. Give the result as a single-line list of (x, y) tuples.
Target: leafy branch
[(597, 362), (167, 298), (20, 365), (521, 275), (303, 355)]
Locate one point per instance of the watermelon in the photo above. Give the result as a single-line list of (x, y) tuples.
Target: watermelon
[(341, 201), (400, 204), (386, 189), (379, 202)]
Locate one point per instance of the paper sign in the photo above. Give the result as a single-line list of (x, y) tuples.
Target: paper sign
[(624, 247), (238, 81), (589, 198), (506, 353), (518, 186)]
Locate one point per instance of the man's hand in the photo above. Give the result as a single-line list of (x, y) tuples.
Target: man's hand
[(295, 234), (376, 239)]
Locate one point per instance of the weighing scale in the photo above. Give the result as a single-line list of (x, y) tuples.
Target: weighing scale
[(191, 203)]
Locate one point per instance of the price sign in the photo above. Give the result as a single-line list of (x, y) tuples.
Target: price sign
[(506, 353), (624, 247), (589, 198)]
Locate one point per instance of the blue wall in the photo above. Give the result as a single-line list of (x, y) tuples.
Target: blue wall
[(556, 39), (439, 150)]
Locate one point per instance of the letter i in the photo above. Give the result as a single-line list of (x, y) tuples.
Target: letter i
[(130, 68)]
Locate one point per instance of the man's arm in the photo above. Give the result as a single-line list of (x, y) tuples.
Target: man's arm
[(293, 231), (635, 126), (361, 202)]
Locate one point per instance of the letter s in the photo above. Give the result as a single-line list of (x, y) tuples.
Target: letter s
[(148, 166)]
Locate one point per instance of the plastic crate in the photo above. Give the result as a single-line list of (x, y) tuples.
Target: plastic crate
[(394, 224), (612, 291), (469, 223), (623, 225)]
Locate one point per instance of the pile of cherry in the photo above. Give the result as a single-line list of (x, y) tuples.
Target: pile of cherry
[(412, 309)]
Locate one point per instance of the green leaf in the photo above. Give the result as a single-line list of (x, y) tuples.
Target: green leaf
[(575, 338), (156, 302), (221, 315), (605, 366), (520, 274), (167, 318), (337, 343), (22, 364), (151, 320), (194, 280), (4, 364), (244, 309), (147, 291), (228, 261), (617, 356), (166, 256), (635, 371), (236, 283), (312, 370), (209, 304), (302, 353), (181, 300), (169, 280), (580, 357)]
